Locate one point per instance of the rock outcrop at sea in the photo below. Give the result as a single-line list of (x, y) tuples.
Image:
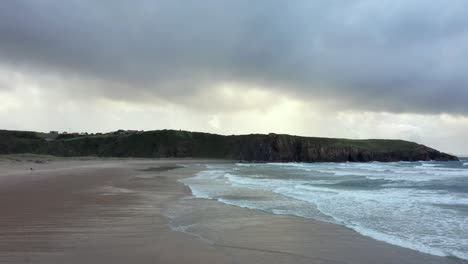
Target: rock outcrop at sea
[(251, 148)]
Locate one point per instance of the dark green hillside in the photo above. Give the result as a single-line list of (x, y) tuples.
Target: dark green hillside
[(22, 142), (255, 147)]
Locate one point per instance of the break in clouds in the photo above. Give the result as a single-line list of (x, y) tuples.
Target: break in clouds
[(391, 56), (357, 69)]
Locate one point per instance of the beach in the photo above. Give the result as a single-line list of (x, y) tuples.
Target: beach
[(90, 210)]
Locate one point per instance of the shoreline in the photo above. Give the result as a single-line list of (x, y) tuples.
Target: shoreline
[(249, 194), (115, 211), (366, 249)]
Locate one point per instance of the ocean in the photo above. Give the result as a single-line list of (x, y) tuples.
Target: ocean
[(417, 205)]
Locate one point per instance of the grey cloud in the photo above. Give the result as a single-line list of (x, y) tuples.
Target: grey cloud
[(397, 56)]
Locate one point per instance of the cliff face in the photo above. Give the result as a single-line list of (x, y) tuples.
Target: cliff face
[(257, 147), (289, 148)]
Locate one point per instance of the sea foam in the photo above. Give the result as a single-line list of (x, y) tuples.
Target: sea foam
[(409, 204)]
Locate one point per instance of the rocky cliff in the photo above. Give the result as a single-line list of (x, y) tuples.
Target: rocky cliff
[(255, 147)]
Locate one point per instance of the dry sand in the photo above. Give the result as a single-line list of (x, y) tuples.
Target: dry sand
[(116, 211)]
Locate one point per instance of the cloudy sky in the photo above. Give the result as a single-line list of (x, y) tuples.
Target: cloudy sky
[(357, 69)]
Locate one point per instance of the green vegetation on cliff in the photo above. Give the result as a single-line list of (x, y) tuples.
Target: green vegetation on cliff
[(254, 147)]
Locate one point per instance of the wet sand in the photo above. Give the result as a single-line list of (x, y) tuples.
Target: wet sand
[(119, 211)]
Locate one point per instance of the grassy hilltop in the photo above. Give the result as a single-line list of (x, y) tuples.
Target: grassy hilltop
[(254, 147)]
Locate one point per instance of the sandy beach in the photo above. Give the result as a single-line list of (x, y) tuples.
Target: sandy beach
[(88, 210)]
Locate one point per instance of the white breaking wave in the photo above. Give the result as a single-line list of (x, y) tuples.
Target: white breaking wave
[(430, 165), (405, 204)]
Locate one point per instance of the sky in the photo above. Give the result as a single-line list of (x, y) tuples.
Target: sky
[(328, 68)]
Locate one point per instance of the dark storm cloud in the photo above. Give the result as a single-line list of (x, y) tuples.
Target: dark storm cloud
[(399, 56)]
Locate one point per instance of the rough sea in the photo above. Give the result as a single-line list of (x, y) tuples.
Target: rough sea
[(417, 205)]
